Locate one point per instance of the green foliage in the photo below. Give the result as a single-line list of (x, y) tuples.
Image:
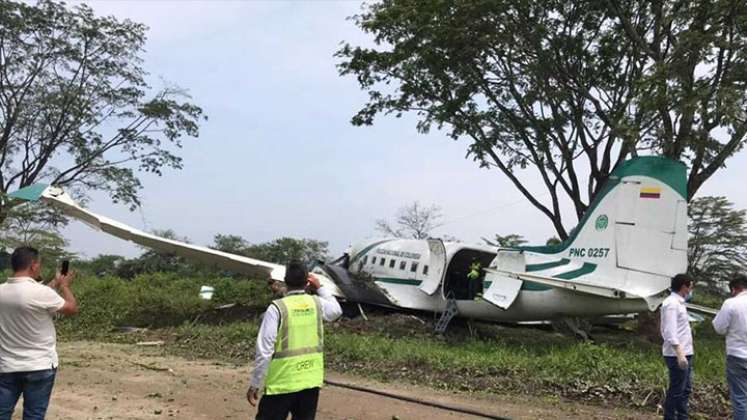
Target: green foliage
[(101, 266), (36, 226), (717, 248), (76, 109), (511, 240), (153, 300), (279, 251), (564, 88), (553, 241)]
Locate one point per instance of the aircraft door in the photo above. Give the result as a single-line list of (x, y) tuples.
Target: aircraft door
[(436, 266), (500, 289)]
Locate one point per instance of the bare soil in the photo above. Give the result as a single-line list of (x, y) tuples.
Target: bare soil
[(115, 381)]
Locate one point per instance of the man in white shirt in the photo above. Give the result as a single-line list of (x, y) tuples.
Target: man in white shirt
[(289, 354), (677, 347), (28, 354), (731, 321)]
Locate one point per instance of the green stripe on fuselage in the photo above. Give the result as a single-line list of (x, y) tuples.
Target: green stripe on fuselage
[(547, 265), (526, 285), (364, 251), (584, 270)]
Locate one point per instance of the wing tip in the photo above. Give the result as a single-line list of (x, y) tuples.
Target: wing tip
[(30, 193)]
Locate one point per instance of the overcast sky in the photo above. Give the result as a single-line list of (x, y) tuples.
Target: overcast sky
[(278, 155)]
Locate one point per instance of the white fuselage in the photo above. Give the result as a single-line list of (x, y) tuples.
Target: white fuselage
[(401, 266)]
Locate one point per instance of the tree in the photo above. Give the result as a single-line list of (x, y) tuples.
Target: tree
[(233, 244), (279, 251), (35, 226), (564, 88), (101, 265), (717, 248), (553, 241), (413, 221), (511, 240), (75, 107), (152, 261)]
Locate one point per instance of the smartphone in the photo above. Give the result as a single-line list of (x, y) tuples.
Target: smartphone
[(65, 267)]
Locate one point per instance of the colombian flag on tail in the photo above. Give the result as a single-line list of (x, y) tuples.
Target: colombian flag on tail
[(650, 192)]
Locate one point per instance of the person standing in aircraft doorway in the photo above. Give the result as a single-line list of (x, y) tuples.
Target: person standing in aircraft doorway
[(473, 277)]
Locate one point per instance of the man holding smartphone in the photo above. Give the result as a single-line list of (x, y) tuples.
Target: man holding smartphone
[(289, 360), (28, 341)]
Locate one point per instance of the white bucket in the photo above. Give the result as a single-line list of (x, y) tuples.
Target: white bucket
[(206, 292)]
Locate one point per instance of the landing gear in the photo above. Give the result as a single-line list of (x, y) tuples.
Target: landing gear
[(580, 328)]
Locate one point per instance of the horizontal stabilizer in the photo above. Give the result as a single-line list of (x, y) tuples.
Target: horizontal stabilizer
[(580, 287)]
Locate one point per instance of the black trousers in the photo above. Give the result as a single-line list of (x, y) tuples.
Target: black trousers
[(301, 405)]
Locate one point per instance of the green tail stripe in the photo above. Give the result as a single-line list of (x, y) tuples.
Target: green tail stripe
[(669, 172), (547, 266), (585, 269)]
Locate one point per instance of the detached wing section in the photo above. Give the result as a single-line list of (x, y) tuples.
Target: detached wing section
[(240, 264)]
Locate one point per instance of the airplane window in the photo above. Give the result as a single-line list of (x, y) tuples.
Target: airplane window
[(365, 259), (382, 261), (392, 262), (414, 267), (425, 270), (373, 260), (402, 265)]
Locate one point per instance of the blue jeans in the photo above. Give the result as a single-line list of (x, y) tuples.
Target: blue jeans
[(36, 388), (680, 386), (736, 376)]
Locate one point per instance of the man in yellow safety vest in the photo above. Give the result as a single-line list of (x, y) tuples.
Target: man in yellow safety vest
[(473, 279), (289, 358)]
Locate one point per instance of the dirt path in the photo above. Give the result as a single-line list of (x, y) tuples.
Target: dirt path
[(110, 381)]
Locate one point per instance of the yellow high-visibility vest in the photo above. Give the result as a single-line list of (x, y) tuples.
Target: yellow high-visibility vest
[(298, 362), (474, 271)]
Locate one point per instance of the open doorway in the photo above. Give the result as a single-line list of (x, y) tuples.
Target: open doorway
[(457, 282)]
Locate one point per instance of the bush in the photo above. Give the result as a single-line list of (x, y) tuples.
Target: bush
[(153, 301)]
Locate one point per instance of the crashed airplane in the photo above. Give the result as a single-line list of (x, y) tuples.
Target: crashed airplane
[(618, 260)]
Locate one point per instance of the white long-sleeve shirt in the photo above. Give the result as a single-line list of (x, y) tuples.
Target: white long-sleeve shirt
[(675, 326), (268, 332), (731, 320)]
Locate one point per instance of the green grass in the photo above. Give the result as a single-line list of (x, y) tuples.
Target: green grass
[(619, 368)]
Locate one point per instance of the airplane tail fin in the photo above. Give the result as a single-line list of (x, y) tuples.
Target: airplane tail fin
[(636, 227)]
